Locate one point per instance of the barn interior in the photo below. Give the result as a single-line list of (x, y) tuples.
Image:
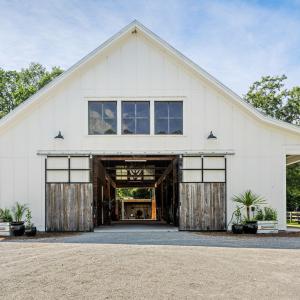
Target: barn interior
[(135, 190)]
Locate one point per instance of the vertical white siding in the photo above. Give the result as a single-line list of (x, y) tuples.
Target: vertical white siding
[(135, 68)]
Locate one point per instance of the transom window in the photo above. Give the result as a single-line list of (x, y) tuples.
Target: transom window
[(168, 117), (102, 117), (136, 117)]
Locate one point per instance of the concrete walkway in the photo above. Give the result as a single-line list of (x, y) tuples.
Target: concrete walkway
[(293, 229), (126, 227), (168, 235)]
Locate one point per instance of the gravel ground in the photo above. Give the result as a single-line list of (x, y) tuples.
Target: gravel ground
[(35, 270)]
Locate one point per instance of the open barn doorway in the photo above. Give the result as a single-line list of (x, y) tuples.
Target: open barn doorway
[(293, 192), (135, 204), (135, 190)]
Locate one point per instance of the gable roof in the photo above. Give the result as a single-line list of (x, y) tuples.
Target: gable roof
[(152, 36)]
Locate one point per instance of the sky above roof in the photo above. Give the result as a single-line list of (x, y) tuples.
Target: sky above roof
[(236, 41)]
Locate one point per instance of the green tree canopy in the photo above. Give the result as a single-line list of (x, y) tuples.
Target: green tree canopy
[(293, 187), (17, 86), (138, 193), (270, 96)]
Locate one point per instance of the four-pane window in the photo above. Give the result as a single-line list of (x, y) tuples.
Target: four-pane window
[(135, 117), (168, 117), (102, 117)]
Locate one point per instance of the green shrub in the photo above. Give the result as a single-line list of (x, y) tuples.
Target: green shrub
[(237, 215), (5, 215), (267, 214), (18, 211), (28, 218), (270, 214), (236, 218), (259, 215)]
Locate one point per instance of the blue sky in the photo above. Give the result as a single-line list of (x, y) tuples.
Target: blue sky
[(235, 41)]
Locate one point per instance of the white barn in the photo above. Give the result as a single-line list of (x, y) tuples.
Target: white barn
[(136, 112)]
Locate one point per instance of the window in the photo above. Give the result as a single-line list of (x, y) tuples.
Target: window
[(102, 117), (203, 169), (135, 117), (168, 117), (63, 169)]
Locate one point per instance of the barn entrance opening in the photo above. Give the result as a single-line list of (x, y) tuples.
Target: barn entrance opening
[(135, 204), (135, 190)]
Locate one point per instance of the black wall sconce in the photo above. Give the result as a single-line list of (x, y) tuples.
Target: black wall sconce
[(211, 136), (59, 136)]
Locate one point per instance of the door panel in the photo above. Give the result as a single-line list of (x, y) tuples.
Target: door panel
[(69, 207), (203, 206)]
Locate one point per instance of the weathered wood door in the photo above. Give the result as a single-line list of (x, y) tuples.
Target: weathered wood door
[(69, 207), (202, 206)]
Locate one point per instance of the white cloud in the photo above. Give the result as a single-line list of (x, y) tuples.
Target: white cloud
[(236, 41)]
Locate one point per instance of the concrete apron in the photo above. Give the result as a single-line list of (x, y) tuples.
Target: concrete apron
[(136, 228)]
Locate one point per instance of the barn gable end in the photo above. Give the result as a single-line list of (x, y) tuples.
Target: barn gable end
[(136, 65)]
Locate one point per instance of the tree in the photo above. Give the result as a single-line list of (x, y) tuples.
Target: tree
[(138, 193), (8, 80), (270, 96), (17, 86), (291, 110), (292, 188)]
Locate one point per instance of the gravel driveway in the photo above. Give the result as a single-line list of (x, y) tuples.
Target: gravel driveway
[(101, 271), (150, 265)]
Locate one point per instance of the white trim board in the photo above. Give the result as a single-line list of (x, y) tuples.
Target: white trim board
[(113, 152)]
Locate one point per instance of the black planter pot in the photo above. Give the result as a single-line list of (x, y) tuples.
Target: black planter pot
[(237, 228), (30, 231), (250, 227), (17, 228)]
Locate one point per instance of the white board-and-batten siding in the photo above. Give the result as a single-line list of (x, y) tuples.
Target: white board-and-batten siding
[(135, 67)]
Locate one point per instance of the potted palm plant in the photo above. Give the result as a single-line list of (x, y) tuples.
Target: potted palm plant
[(17, 226), (250, 201), (5, 219), (30, 229)]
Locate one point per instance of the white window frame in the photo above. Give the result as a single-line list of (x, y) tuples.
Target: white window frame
[(119, 101)]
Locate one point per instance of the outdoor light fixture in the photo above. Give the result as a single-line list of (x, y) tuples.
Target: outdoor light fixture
[(211, 136), (59, 136)]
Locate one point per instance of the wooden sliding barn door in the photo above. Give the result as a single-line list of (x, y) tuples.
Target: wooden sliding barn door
[(203, 206), (69, 193), (69, 207), (202, 193)]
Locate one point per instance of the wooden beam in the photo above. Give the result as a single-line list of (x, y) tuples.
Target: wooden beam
[(174, 164), (134, 184), (153, 206), (111, 182), (165, 174), (106, 175), (292, 159), (134, 157)]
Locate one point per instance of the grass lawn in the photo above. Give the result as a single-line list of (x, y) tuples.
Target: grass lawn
[(293, 224)]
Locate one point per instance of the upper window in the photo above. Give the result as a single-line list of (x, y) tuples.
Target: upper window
[(102, 117), (135, 117), (168, 117)]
